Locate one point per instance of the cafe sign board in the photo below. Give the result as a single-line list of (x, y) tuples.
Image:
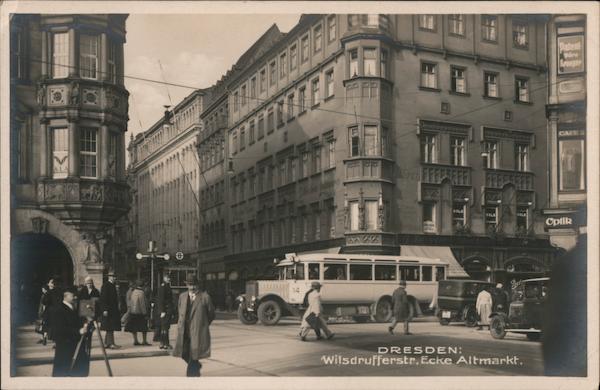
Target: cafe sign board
[(571, 54), (564, 221)]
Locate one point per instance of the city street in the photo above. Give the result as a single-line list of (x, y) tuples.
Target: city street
[(256, 350)]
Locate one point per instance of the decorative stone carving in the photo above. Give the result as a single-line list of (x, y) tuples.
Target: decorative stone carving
[(90, 96), (92, 192), (55, 192), (92, 251), (57, 96), (41, 95), (430, 193), (74, 93), (459, 176), (363, 239), (381, 218), (523, 181), (39, 225)]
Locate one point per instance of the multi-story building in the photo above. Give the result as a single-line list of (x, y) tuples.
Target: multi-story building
[(395, 134), (165, 169), (68, 120), (566, 214)]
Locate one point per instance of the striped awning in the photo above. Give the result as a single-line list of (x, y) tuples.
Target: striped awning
[(444, 253)]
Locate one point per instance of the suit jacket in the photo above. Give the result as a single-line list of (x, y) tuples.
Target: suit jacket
[(66, 324), (109, 302), (201, 313)]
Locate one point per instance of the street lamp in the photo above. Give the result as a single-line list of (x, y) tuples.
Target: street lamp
[(152, 256)]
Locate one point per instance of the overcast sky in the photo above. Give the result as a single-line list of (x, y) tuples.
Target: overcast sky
[(194, 50)]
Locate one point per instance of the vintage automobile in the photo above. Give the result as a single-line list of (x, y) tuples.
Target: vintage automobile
[(456, 300), (356, 286), (525, 312)]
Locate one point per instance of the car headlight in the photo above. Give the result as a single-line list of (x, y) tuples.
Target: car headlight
[(253, 298)]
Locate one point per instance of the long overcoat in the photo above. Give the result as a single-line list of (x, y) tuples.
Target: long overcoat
[(202, 313), (400, 304), (109, 302), (66, 323)]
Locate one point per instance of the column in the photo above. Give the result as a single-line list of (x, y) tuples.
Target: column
[(103, 150), (43, 149), (73, 60), (103, 57), (45, 58), (73, 149)]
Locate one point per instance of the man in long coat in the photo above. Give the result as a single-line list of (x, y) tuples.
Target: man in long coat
[(196, 312), (165, 311), (400, 308), (111, 316), (484, 307)]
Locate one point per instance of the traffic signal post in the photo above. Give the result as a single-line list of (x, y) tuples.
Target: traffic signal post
[(152, 250)]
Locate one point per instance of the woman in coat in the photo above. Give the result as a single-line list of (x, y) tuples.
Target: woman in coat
[(138, 314), (51, 298), (314, 307)]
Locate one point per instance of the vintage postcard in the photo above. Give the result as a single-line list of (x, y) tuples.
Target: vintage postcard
[(291, 194)]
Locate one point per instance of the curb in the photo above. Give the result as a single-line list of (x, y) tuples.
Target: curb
[(118, 355)]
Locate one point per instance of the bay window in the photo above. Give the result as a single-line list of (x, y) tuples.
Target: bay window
[(60, 55), (354, 142), (354, 225), (353, 63), (369, 62), (383, 64), (60, 153), (88, 158), (371, 212), (88, 56), (371, 141), (111, 61)]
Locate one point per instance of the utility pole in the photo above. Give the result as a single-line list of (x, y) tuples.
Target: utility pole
[(152, 250)]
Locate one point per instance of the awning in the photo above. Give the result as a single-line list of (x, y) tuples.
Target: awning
[(332, 250), (455, 270)]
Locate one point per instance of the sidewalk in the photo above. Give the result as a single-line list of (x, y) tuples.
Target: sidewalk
[(29, 353)]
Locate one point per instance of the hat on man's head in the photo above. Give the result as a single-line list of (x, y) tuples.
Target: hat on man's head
[(499, 285), (191, 280), (111, 273), (403, 283), (315, 284)]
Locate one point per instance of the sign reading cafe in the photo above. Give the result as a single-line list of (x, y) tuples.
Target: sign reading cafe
[(570, 54)]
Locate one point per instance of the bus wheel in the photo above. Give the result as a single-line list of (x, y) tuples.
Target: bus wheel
[(246, 317), (498, 327), (383, 311), (269, 312)]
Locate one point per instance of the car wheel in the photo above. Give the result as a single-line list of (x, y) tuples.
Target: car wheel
[(498, 327), (470, 317), (383, 311), (444, 321), (534, 336), (246, 317), (269, 312)]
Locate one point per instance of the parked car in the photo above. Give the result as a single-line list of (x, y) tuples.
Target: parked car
[(456, 300), (525, 312)]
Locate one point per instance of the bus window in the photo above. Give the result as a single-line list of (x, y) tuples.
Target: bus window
[(313, 271), (299, 271), (385, 272), (281, 273), (409, 273), (335, 272), (440, 273), (426, 270), (360, 272)]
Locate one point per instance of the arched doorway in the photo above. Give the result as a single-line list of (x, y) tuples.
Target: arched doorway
[(35, 258)]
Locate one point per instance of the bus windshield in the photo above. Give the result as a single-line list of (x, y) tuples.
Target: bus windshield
[(292, 272)]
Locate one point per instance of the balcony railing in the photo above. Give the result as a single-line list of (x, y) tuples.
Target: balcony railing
[(368, 168), (498, 178), (436, 173), (83, 191)]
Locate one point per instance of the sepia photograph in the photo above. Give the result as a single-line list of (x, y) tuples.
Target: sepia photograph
[(271, 195)]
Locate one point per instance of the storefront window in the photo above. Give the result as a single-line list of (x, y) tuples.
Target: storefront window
[(571, 152)]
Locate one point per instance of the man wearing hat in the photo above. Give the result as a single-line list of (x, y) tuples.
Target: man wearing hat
[(196, 312), (400, 308), (111, 316), (165, 310), (499, 299), (314, 307)]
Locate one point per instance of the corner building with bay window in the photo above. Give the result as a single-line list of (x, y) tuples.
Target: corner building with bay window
[(391, 134), (68, 119)]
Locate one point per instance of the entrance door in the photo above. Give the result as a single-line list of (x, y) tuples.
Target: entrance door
[(35, 258)]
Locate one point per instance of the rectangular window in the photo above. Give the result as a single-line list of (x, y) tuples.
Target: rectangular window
[(385, 272), (112, 154), (353, 63), (315, 91), (112, 62), (429, 149), (282, 172), (263, 80), (88, 153), (491, 217), (290, 106), (428, 75), (60, 153), (489, 27), (316, 159), (270, 120), (292, 170), (236, 101), (456, 24), (280, 119), (490, 154), (457, 151), (354, 216), (253, 88), (523, 218), (522, 89), (571, 173), (371, 141), (371, 212), (370, 62), (251, 133), (427, 22), (261, 126), (459, 82), (361, 272), (427, 273), (331, 153), (429, 220), (302, 99), (331, 30), (304, 169), (519, 34), (354, 142), (304, 49), (60, 55), (242, 138), (410, 273), (318, 38), (335, 272), (283, 65), (329, 83), (383, 64), (459, 214), (293, 57), (235, 142), (521, 157), (490, 84), (88, 56), (243, 94), (273, 72)]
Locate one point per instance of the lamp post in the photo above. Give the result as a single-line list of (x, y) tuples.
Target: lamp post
[(152, 250)]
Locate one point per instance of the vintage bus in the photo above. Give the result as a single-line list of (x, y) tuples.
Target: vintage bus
[(357, 286)]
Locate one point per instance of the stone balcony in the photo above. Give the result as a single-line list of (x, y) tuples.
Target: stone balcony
[(369, 169), (498, 178), (436, 173)]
